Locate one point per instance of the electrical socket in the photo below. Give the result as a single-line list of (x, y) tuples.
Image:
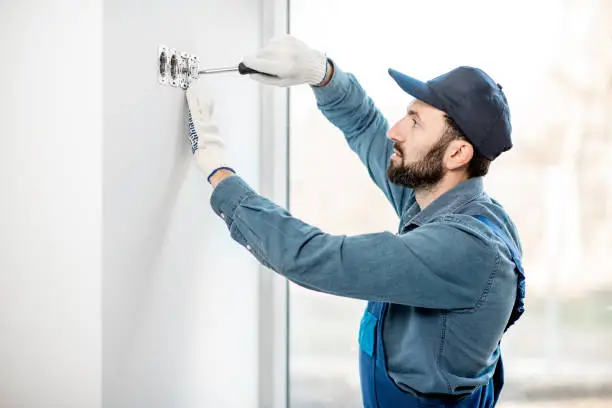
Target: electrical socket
[(175, 68)]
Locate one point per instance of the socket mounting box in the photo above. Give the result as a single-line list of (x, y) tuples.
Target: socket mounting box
[(175, 68)]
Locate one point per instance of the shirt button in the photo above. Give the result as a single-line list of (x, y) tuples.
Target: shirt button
[(248, 247), (222, 215)]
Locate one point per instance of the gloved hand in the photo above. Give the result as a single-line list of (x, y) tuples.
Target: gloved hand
[(291, 60), (206, 144)]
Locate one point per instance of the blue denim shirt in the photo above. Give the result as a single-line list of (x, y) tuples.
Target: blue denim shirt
[(449, 280)]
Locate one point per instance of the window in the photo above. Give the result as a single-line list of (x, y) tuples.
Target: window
[(554, 61)]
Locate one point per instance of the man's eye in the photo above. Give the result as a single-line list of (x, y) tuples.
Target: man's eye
[(414, 122)]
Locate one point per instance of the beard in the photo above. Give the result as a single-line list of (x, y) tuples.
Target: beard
[(423, 174)]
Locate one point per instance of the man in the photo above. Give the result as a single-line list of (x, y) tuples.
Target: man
[(443, 290)]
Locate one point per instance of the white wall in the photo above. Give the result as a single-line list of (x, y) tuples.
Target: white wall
[(50, 203), (180, 312), (119, 287)]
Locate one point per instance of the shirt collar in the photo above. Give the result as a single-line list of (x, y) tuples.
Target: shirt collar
[(447, 203)]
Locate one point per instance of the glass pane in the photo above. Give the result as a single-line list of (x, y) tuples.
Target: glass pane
[(554, 59)]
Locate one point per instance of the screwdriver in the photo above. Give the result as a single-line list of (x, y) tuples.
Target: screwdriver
[(241, 68)]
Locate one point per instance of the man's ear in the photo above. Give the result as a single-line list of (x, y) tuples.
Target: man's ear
[(460, 153)]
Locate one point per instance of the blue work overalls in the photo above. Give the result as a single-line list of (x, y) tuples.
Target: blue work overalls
[(378, 389)]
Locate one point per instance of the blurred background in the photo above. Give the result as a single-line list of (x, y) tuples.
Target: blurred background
[(554, 60)]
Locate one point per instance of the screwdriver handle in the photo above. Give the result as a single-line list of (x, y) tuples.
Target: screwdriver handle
[(244, 70)]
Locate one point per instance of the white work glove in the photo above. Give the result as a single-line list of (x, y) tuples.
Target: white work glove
[(206, 144), (292, 61)]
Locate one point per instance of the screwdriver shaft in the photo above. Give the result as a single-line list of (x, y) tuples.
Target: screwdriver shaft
[(241, 68), (217, 70)]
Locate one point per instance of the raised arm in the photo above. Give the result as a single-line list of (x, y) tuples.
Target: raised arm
[(342, 101), (406, 269), (345, 104)]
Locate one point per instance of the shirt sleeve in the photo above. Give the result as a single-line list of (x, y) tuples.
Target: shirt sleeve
[(438, 265), (345, 104)]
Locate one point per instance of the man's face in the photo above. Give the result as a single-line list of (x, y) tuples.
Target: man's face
[(419, 147)]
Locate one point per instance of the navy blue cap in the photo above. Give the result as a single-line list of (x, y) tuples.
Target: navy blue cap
[(473, 100)]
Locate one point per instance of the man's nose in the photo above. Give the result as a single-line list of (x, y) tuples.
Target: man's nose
[(392, 133)]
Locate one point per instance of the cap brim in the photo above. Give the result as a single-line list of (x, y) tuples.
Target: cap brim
[(419, 89)]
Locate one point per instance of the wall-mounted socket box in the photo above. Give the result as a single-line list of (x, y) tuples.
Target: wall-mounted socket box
[(175, 68)]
